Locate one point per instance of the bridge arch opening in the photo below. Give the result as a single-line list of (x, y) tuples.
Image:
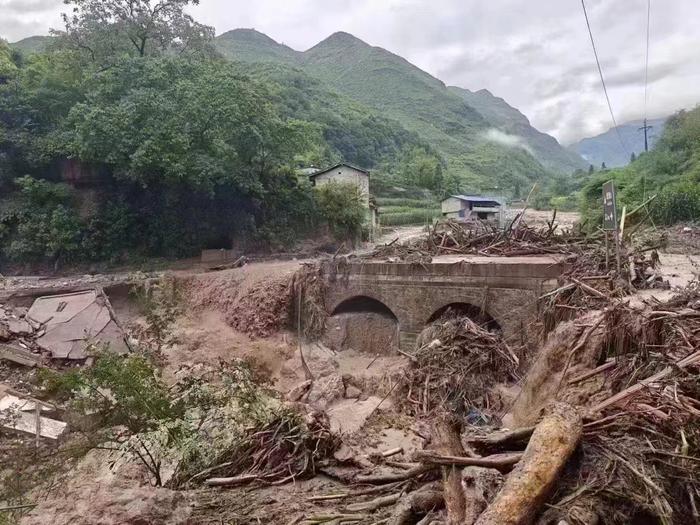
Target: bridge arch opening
[(364, 304), (476, 314), (363, 324)]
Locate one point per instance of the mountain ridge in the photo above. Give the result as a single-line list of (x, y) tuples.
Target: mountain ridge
[(606, 147), (444, 116), (479, 135)]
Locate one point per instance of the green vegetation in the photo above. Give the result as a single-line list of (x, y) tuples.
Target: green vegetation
[(671, 171), (142, 151), (342, 209), (389, 217), (403, 211), (404, 203), (127, 136), (350, 132), (123, 403), (454, 123)]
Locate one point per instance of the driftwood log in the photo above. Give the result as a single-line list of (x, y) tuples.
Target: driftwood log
[(503, 462), (446, 438), (531, 482), (423, 501)]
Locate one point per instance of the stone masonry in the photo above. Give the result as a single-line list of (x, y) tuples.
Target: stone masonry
[(506, 288)]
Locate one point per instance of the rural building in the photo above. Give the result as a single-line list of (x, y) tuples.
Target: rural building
[(347, 174), (474, 208), (344, 173)]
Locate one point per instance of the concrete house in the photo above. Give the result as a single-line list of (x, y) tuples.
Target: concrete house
[(347, 174), (474, 208)]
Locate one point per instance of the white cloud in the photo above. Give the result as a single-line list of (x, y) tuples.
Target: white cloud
[(536, 55), (506, 139)]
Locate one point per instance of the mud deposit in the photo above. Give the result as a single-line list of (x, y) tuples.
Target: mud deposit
[(369, 333)]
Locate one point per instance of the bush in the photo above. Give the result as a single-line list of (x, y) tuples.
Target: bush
[(677, 203), (42, 224), (341, 206)]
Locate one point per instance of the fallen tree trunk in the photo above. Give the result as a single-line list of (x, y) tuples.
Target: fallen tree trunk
[(480, 485), (625, 394), (447, 442), (501, 462), (502, 440), (393, 477), (531, 482)]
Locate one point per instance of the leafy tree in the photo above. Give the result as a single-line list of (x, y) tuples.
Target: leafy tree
[(603, 167), (591, 169), (421, 168), (165, 121), (105, 29), (8, 68), (633, 157), (342, 208), (42, 224)]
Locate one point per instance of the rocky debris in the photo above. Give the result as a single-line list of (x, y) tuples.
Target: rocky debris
[(325, 390), (19, 327), (21, 413), (352, 392), (299, 391)]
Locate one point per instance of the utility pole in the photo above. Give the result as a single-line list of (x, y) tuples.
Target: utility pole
[(646, 129)]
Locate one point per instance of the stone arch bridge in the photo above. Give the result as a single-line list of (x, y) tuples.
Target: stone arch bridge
[(504, 288)]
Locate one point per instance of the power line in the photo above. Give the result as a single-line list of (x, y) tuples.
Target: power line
[(602, 80)]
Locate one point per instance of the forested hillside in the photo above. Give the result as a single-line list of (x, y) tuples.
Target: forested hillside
[(444, 118), (519, 132), (110, 149), (670, 171)]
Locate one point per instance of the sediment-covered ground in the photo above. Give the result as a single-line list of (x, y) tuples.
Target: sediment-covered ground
[(242, 404)]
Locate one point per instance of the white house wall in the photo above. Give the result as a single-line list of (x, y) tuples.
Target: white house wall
[(347, 175)]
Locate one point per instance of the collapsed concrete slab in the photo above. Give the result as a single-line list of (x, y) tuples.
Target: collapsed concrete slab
[(72, 321), (23, 414)]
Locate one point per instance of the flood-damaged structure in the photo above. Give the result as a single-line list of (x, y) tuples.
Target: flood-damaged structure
[(520, 380)]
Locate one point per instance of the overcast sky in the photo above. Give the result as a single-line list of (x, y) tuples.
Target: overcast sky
[(535, 54)]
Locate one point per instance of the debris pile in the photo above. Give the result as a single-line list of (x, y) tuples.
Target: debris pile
[(263, 309), (21, 413), (586, 254), (455, 367), (286, 449), (450, 237), (606, 429)]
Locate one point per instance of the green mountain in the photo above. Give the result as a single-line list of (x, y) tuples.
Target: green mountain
[(466, 128), (353, 132), (249, 45), (606, 147), (507, 119), (32, 44)]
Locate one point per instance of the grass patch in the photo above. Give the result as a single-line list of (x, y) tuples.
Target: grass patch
[(410, 217), (403, 202)]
